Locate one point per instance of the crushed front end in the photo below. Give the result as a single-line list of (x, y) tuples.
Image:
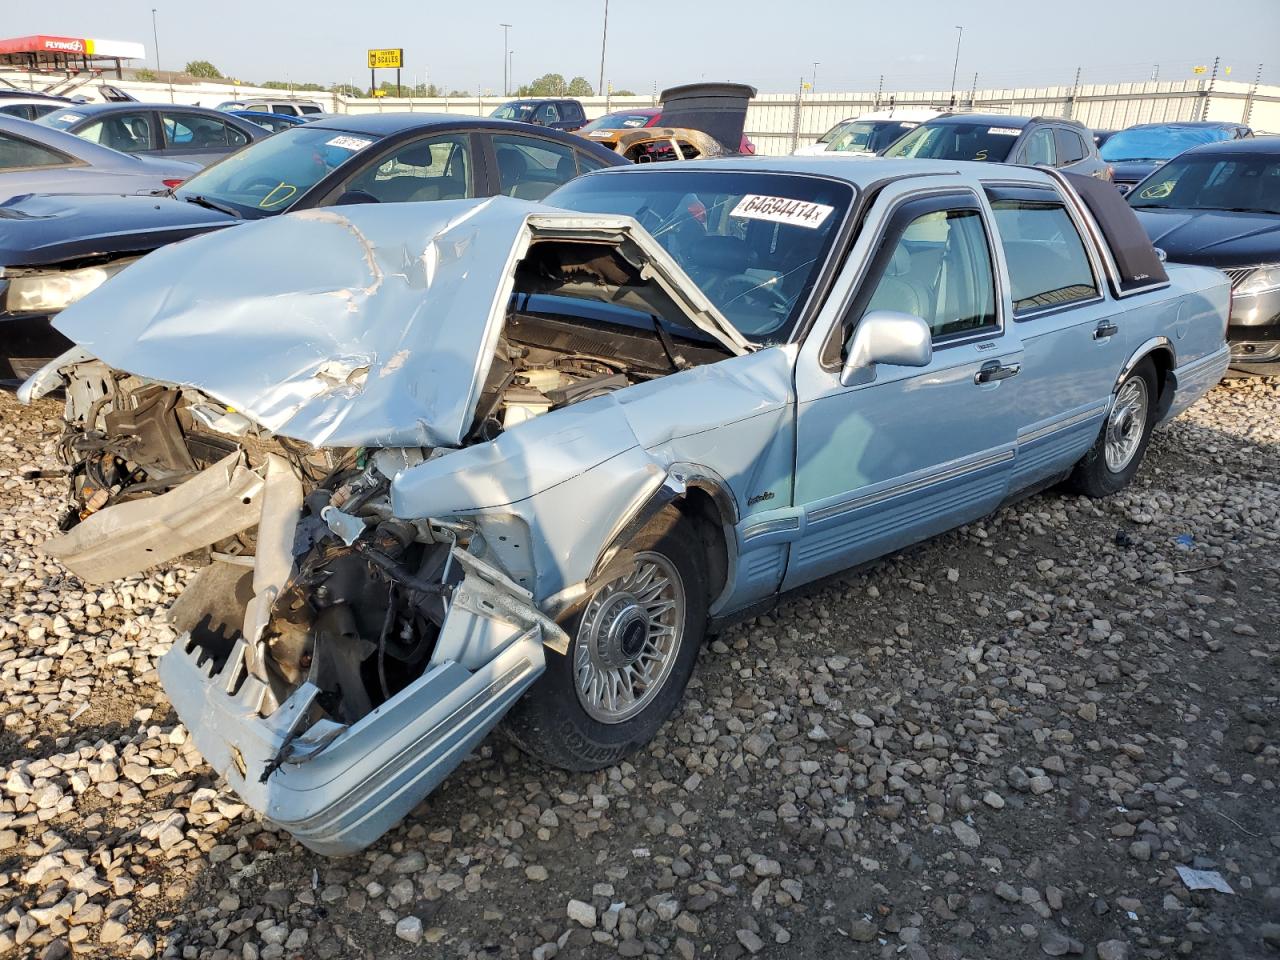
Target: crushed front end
[(334, 662)]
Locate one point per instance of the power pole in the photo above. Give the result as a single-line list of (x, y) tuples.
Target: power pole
[(1071, 100), (155, 35), (604, 36), (795, 119), (956, 65), (506, 60), (879, 91), (1248, 101), (1208, 94), (973, 91)]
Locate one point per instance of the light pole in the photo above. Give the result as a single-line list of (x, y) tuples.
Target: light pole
[(506, 54), (155, 35), (511, 67), (604, 35), (813, 86), (956, 66)]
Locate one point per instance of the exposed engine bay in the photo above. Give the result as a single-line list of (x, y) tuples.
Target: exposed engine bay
[(361, 594)]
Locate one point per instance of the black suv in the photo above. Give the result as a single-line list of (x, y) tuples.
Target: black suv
[(997, 138), (557, 113)]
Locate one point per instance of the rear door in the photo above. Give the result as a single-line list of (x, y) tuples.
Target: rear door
[(1038, 148), (1073, 337), (198, 137), (917, 450)]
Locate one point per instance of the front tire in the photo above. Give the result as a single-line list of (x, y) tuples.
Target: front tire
[(1117, 454), (635, 639)]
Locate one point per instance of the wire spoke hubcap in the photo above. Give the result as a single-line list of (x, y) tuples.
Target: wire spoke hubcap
[(1126, 424), (628, 639)]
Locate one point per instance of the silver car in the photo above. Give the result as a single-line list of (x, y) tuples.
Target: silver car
[(38, 159), (474, 461)]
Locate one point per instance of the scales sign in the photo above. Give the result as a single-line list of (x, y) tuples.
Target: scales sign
[(392, 59)]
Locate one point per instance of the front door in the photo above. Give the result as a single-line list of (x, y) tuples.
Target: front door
[(917, 450)]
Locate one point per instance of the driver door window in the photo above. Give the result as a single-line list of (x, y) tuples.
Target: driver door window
[(530, 168), (547, 114), (940, 270), (127, 132), (438, 168)]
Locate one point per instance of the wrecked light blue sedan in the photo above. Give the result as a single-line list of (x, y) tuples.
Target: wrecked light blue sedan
[(465, 462)]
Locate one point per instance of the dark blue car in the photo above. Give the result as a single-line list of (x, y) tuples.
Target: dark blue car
[(54, 249), (1136, 152)]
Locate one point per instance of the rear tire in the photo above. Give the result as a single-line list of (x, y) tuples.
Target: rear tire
[(634, 642), (1117, 454)]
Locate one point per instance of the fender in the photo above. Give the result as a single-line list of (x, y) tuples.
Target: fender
[(1144, 351)]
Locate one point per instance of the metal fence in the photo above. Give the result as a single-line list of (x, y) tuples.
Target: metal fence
[(778, 122)]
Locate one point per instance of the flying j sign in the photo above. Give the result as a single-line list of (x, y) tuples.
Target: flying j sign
[(74, 45)]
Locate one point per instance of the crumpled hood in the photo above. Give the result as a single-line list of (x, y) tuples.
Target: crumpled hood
[(39, 229), (367, 325), (1214, 238)]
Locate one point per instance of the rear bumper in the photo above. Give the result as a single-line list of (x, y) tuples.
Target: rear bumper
[(347, 785), (1193, 380)]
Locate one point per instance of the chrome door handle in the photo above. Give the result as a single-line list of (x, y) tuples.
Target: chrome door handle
[(1105, 329), (993, 371)]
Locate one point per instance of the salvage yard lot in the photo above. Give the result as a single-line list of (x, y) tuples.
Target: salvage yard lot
[(998, 744)]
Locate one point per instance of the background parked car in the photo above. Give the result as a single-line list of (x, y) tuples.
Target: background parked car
[(1218, 205), (31, 107), (185, 133), (1102, 136), (867, 134), (1136, 151), (996, 138), (284, 106), (556, 113), (370, 158), (612, 126), (38, 159), (273, 122)]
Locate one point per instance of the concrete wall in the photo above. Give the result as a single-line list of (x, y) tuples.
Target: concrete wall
[(778, 121)]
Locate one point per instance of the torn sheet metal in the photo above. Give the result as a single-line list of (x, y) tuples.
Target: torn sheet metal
[(369, 325), (1203, 880), (123, 539)]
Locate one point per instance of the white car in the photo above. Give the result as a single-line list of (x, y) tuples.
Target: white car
[(868, 134)]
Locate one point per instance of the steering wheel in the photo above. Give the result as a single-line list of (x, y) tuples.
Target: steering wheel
[(746, 287)]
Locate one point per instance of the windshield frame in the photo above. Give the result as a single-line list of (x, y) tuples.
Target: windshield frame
[(800, 320), (650, 120), (1208, 159), (301, 130)]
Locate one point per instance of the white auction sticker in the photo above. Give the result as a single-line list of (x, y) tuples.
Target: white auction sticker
[(70, 117), (601, 134), (800, 213), (1004, 131), (348, 143)]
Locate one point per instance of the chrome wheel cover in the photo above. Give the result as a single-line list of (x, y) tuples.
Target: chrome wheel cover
[(628, 640), (1126, 424)]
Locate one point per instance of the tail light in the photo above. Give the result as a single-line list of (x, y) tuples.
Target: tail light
[(171, 184)]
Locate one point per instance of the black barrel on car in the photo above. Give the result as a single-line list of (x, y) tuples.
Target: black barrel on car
[(717, 109)]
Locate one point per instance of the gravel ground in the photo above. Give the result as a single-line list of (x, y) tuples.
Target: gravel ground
[(998, 744)]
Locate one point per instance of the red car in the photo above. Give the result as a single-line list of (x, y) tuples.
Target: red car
[(611, 123)]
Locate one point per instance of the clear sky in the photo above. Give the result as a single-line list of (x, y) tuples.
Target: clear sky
[(769, 43)]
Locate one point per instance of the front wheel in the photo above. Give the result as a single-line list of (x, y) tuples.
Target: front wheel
[(1117, 453), (636, 637)]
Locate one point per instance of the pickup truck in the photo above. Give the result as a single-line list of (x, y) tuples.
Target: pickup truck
[(475, 461)]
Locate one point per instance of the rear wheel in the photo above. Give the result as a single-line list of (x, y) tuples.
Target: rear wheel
[(635, 639), (1117, 453)]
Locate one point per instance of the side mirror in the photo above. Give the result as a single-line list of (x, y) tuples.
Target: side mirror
[(886, 336)]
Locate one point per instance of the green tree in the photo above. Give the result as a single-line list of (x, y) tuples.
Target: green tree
[(580, 87), (346, 90), (286, 85), (203, 69), (146, 76), (547, 85), (459, 93), (624, 93), (426, 90)]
